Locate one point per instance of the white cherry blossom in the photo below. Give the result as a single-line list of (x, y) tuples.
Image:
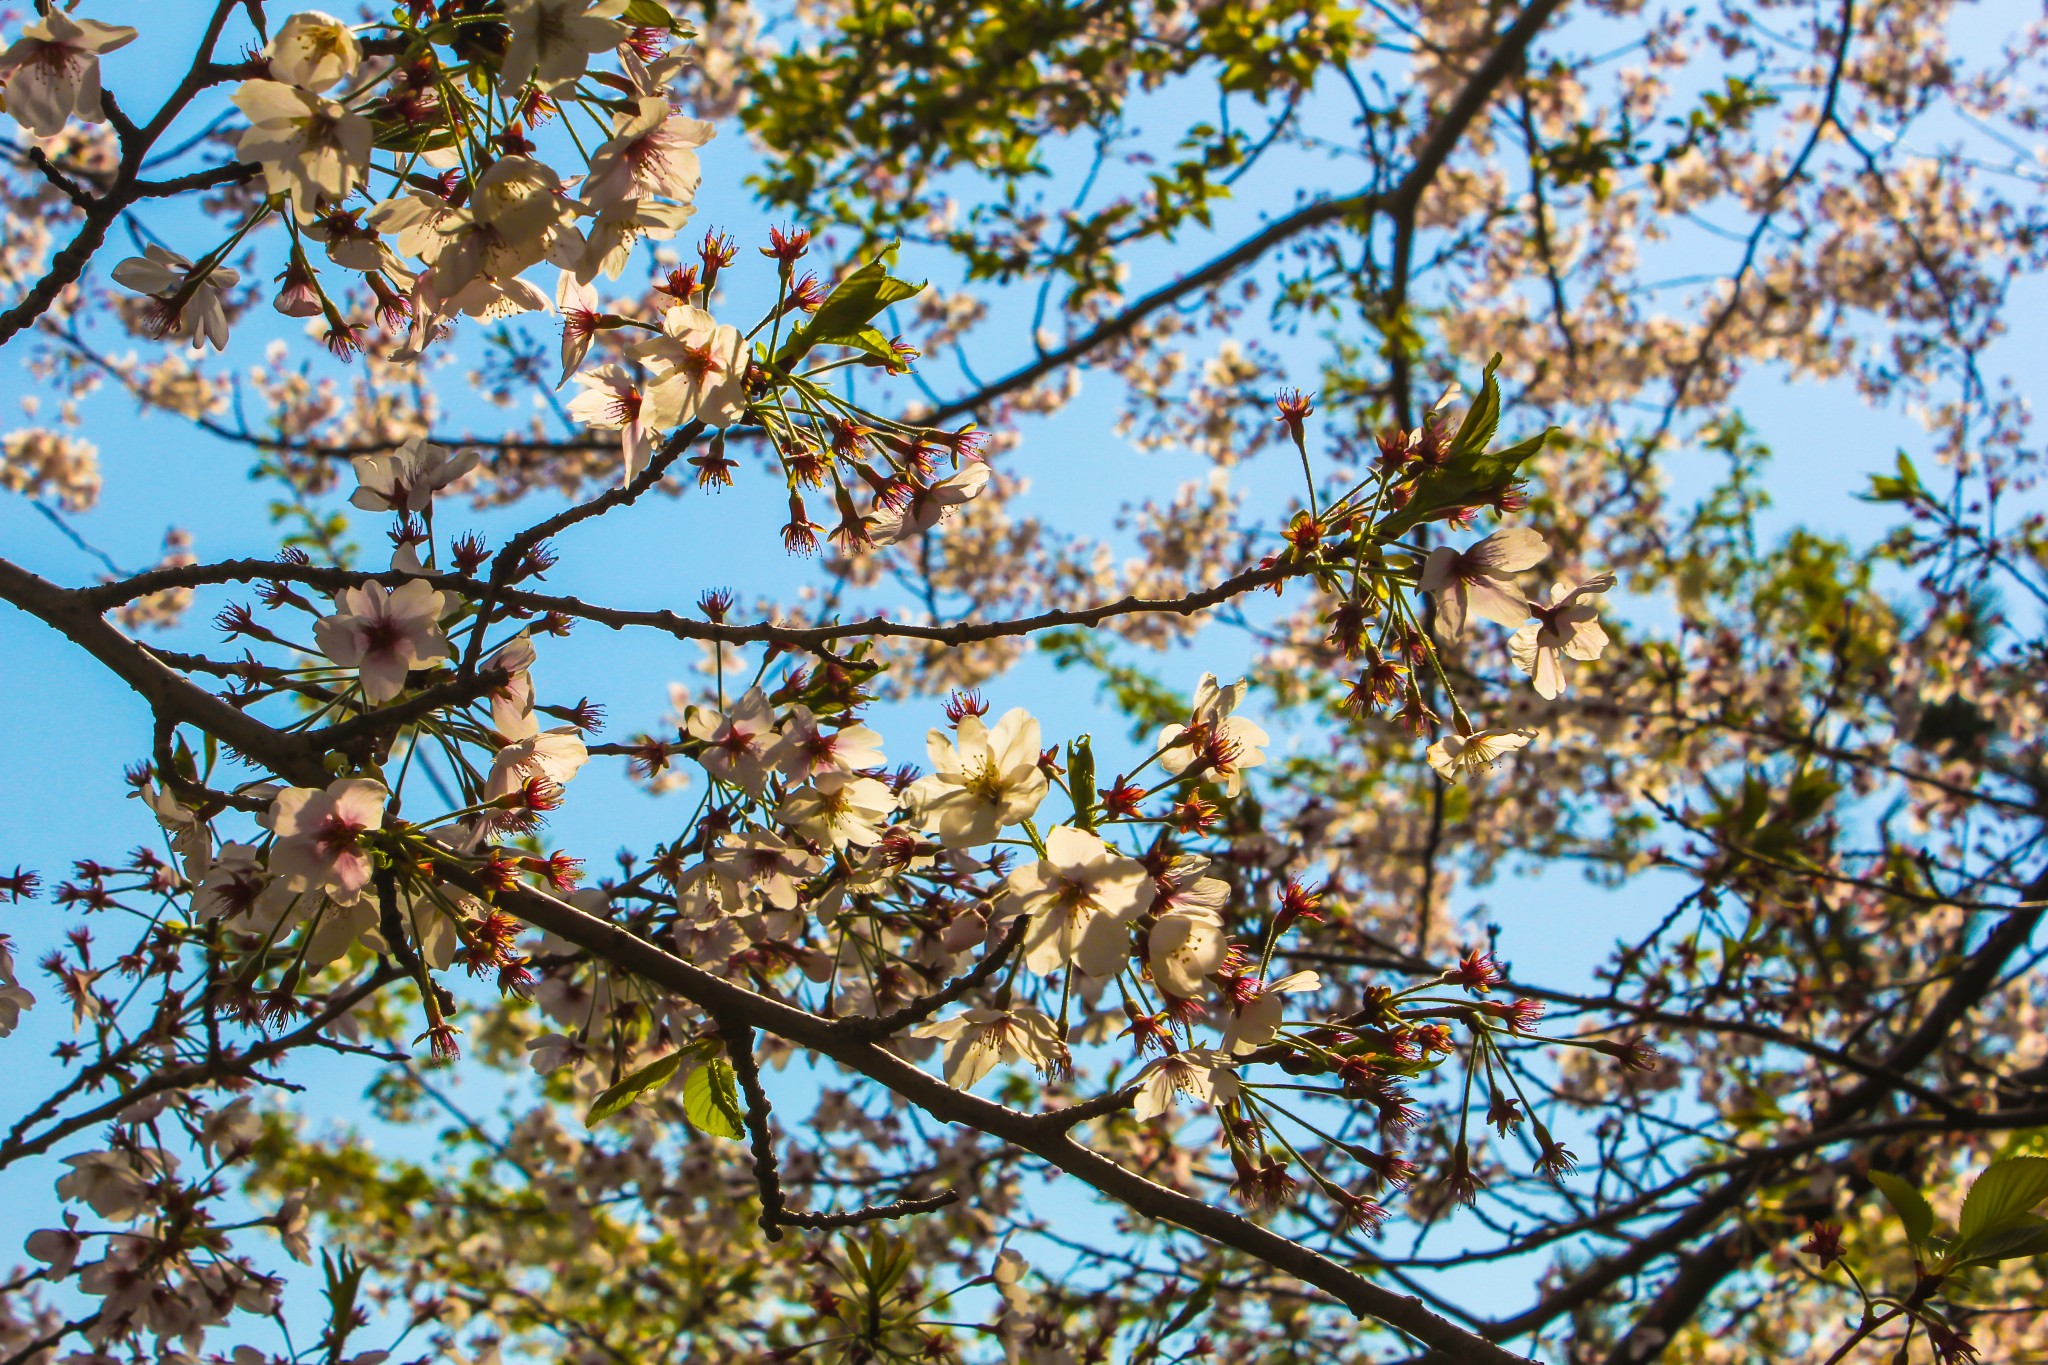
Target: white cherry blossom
[(407, 479), (1183, 948), (1566, 627), (652, 152), (736, 743), (308, 146), (1080, 897), (929, 504), (53, 71), (1455, 754), (1216, 744), (982, 779), (313, 51), (1477, 581), (187, 305), (553, 40), (699, 367), (614, 400), (1197, 1073), (1253, 1022), (838, 809), (980, 1040)]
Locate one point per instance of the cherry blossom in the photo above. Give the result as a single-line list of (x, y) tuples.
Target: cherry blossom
[(309, 147), (577, 302), (929, 504), (109, 1183), (555, 755), (1214, 744), (512, 714), (407, 479), (384, 633), (1455, 754), (320, 844), (1184, 947), (552, 40), (1253, 1022), (980, 1040), (981, 779), (838, 809), (53, 71), (1476, 582), (652, 151), (1197, 1073), (1566, 627), (804, 748), (313, 51), (736, 742), (613, 400), (1079, 897), (699, 366), (189, 300)]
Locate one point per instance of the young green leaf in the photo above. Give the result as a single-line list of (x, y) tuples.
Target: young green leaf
[(1908, 1203), (650, 1077), (711, 1099), (843, 318), (2021, 1235), (2006, 1188)]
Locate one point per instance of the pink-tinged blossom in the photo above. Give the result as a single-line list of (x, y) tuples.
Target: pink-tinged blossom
[(699, 367), (1197, 1073), (384, 634), (1455, 754), (805, 748), (577, 302), (321, 844), (512, 714), (929, 504), (407, 479), (53, 71), (736, 742), (313, 51), (652, 151), (1478, 581), (981, 780), (1566, 627), (1081, 898), (980, 1040), (109, 1183), (613, 400), (1216, 745), (187, 306)]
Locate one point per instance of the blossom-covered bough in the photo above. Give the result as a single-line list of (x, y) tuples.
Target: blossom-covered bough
[(1218, 976)]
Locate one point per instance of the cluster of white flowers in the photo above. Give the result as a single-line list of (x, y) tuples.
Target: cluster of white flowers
[(1480, 581)]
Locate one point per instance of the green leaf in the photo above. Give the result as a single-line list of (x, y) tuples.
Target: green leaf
[(1908, 1203), (711, 1099), (650, 14), (1905, 488), (2022, 1235), (650, 1077), (1081, 781), (2005, 1189), (1444, 490), (1482, 419), (843, 318)]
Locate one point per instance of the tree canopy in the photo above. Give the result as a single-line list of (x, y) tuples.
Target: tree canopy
[(1218, 641)]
